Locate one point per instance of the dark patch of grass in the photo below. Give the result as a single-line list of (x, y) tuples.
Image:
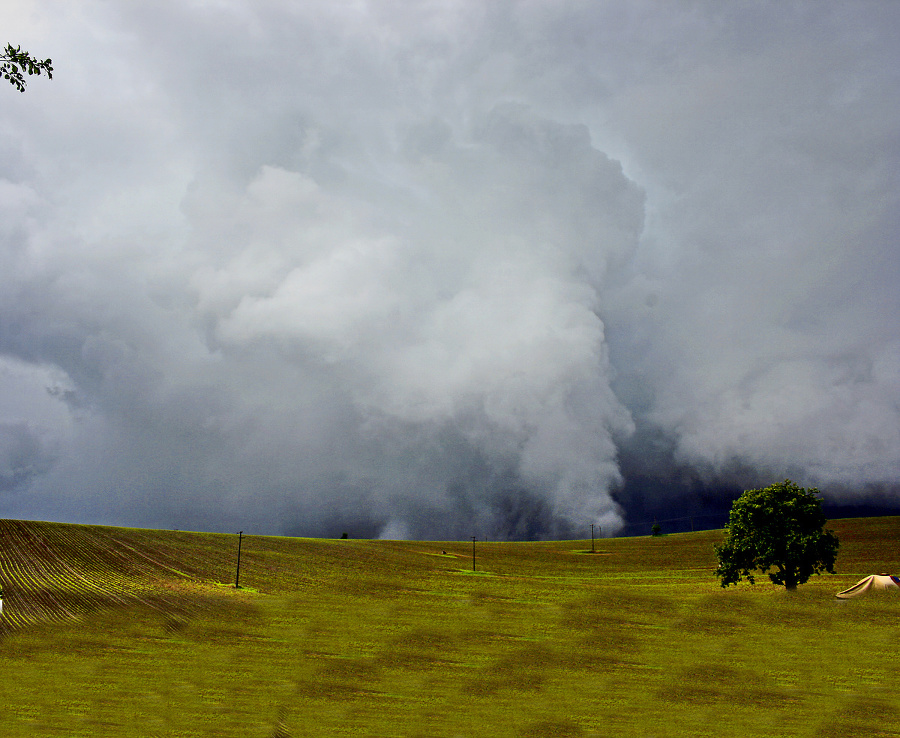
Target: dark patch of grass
[(721, 684), (552, 729), (521, 670), (861, 716)]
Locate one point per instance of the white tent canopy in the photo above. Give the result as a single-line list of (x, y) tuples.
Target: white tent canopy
[(873, 581)]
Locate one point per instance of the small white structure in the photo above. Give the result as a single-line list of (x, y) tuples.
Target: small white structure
[(874, 581)]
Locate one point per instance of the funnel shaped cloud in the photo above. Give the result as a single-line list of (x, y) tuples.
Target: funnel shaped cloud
[(441, 271)]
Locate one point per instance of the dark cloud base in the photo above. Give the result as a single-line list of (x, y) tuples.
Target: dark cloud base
[(681, 508)]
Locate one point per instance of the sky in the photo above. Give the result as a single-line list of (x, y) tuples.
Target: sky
[(440, 269)]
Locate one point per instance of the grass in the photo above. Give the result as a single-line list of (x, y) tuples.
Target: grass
[(382, 638)]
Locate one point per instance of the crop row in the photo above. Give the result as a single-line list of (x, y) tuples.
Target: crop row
[(52, 572)]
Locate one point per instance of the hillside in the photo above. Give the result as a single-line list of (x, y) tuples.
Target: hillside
[(56, 571), (114, 631)]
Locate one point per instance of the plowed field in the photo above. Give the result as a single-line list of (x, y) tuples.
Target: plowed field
[(52, 572)]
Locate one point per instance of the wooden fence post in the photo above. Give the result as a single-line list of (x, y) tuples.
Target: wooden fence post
[(237, 575)]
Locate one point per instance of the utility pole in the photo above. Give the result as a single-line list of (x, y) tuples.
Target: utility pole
[(473, 553), (237, 576), (592, 538)]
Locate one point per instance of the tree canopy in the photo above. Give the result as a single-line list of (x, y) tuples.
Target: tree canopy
[(15, 64), (779, 528)]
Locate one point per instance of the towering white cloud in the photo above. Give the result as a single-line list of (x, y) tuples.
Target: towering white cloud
[(429, 270)]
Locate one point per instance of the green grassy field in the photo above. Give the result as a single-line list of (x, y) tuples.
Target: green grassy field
[(112, 631)]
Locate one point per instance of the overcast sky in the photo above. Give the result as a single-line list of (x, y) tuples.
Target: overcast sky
[(441, 269)]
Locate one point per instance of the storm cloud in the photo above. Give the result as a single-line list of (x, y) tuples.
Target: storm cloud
[(441, 270)]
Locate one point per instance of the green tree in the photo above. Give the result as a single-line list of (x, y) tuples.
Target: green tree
[(780, 527), (15, 64)]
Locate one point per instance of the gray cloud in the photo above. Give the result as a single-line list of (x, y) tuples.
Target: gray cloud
[(432, 271)]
